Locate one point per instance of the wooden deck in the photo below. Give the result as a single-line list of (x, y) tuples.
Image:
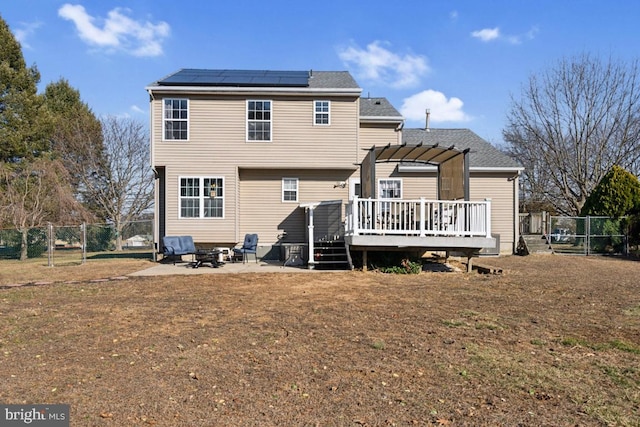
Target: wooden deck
[(421, 225)]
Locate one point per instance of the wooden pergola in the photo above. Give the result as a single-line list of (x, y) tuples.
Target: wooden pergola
[(452, 164)]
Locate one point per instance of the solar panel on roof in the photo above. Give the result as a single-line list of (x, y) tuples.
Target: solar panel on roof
[(237, 78)]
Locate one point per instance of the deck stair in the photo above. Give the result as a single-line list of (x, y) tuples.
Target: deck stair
[(533, 244), (331, 255)]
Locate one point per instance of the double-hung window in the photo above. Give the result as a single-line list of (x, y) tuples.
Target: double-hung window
[(201, 197), (258, 120), (321, 112), (175, 118), (289, 189)]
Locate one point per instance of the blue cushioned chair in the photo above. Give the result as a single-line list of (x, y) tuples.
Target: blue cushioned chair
[(249, 246)]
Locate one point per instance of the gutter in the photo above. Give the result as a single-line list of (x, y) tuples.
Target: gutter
[(377, 119), (234, 90)]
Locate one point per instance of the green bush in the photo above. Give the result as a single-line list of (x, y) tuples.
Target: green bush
[(616, 195), (406, 267)]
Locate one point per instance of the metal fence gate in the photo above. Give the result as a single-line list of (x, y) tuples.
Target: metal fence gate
[(589, 235)]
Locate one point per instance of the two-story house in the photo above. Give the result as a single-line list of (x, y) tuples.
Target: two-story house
[(278, 153)]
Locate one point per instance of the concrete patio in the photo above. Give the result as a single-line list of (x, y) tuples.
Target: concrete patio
[(163, 269)]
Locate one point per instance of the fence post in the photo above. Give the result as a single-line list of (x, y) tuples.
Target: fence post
[(50, 244), (588, 233), (83, 234)]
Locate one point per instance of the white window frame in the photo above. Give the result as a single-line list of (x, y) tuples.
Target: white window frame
[(166, 119), (285, 188), (269, 121), (318, 114), (203, 195), (386, 206), (389, 180)]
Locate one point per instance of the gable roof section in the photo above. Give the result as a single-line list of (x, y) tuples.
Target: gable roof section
[(482, 155), (378, 110), (377, 107)]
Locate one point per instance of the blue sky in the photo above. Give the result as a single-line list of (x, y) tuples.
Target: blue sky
[(461, 59)]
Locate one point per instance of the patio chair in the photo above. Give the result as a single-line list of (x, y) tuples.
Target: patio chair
[(250, 246), (173, 247)]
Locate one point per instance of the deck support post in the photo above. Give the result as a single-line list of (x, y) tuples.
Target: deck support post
[(469, 255), (364, 260)]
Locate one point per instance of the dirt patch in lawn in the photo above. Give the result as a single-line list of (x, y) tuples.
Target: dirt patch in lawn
[(551, 341)]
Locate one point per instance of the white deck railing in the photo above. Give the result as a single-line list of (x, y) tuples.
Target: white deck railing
[(418, 217)]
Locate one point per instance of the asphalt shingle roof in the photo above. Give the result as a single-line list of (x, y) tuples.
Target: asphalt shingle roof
[(332, 80), (481, 155), (378, 107), (259, 78)]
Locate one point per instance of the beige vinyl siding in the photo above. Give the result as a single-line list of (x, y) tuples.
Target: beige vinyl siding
[(262, 210), (414, 187), (203, 230), (377, 134), (499, 189), (217, 132), (217, 146)]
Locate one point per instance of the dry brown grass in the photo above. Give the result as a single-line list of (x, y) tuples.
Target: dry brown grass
[(551, 341), (36, 270)]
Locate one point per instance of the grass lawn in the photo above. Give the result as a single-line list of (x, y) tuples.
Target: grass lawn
[(553, 340)]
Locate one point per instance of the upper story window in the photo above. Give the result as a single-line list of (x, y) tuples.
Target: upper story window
[(175, 119), (258, 120), (201, 197), (289, 189), (321, 112)]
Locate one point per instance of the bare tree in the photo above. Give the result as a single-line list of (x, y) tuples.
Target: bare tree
[(123, 189), (571, 125), (34, 193)]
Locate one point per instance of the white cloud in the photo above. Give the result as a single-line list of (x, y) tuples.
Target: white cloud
[(441, 109), (381, 66), (532, 33), (118, 31), (137, 110), (486, 34), (491, 34), (453, 15), (26, 30)]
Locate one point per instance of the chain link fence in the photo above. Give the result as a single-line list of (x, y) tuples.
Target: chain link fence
[(589, 235), (60, 245)]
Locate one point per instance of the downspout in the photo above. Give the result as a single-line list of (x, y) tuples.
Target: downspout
[(156, 228), (236, 217)]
